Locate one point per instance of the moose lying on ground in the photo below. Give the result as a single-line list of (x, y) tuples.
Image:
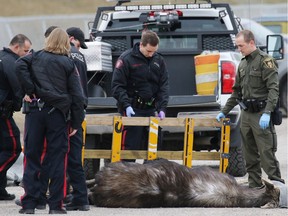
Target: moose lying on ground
[(163, 183)]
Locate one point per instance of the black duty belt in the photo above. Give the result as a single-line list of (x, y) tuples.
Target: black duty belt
[(141, 103), (254, 105), (35, 104)]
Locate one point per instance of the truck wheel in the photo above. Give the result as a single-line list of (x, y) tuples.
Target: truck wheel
[(236, 166), (91, 167)]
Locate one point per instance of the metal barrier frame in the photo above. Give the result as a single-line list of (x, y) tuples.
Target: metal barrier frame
[(187, 155)]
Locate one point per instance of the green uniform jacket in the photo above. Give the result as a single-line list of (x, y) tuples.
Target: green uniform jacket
[(257, 78)]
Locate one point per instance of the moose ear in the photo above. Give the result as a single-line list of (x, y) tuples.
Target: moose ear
[(268, 185)]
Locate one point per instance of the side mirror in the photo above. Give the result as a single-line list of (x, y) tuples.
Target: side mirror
[(275, 46)]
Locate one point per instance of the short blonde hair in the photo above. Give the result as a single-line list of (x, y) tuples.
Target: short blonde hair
[(58, 42)]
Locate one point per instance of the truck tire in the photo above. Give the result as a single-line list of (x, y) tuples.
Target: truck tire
[(91, 167), (236, 165)]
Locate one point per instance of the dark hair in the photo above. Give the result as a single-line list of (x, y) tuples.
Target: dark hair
[(19, 39), (247, 34), (149, 37), (49, 30)]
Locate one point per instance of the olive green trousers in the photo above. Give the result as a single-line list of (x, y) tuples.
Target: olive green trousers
[(259, 147)]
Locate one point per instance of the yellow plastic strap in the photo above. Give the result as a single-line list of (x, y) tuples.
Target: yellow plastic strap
[(84, 127), (153, 138), (225, 145), (117, 138), (188, 142)]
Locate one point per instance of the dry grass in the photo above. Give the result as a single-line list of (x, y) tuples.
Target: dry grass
[(52, 7), (48, 7)]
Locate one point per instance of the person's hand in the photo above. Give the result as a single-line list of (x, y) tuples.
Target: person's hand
[(220, 116), (72, 131), (129, 111), (264, 120), (161, 115), (29, 99)]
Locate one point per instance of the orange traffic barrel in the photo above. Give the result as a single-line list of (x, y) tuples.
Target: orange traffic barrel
[(206, 66)]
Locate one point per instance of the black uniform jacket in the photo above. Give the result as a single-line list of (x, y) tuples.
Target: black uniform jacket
[(54, 79), (134, 74), (79, 61), (9, 85)]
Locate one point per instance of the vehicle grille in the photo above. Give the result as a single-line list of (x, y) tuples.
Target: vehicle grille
[(119, 44), (217, 42)]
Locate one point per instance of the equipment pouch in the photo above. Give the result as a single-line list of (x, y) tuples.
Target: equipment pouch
[(255, 106), (28, 106), (25, 107), (276, 115)]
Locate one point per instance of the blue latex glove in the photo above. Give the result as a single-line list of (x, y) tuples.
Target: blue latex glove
[(264, 120), (129, 111), (161, 115), (220, 116)]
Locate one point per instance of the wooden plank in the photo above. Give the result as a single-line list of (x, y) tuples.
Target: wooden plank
[(133, 154), (97, 153), (206, 156), (95, 119), (139, 121)]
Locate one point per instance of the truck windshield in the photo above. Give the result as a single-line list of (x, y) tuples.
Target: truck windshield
[(176, 42)]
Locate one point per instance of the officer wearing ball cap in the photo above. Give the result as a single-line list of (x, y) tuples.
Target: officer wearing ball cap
[(75, 170), (78, 34)]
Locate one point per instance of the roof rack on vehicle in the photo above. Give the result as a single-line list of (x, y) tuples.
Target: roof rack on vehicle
[(208, 1), (120, 2)]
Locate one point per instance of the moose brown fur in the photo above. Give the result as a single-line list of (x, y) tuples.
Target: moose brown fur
[(162, 183)]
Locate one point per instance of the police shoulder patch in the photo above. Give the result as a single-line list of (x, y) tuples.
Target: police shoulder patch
[(269, 63), (119, 63)]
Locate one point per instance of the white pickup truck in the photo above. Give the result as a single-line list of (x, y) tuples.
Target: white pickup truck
[(186, 30)]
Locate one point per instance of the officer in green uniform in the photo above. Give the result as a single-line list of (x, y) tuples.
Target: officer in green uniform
[(257, 86)]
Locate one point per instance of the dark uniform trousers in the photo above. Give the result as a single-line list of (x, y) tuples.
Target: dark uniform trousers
[(39, 124), (257, 140), (75, 169), (134, 136), (10, 148), (44, 175)]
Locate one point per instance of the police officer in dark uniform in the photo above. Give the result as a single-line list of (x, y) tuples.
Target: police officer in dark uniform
[(52, 86), (75, 170), (257, 86), (77, 41), (10, 101), (140, 86)]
